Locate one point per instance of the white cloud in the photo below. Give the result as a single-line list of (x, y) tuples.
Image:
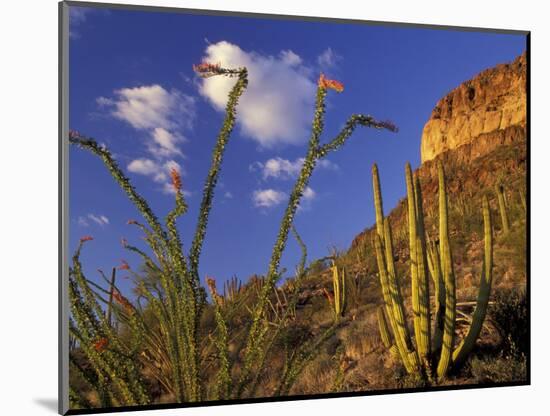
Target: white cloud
[(168, 189), (77, 16), (159, 172), (279, 168), (228, 195), (151, 106), (165, 143), (307, 198), (143, 166), (277, 105), (267, 198), (328, 59), (309, 194), (163, 115), (290, 58), (104, 101), (84, 221), (327, 164)]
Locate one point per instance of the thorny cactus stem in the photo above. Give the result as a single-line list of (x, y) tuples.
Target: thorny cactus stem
[(177, 304), (141, 204), (385, 334), (315, 152), (111, 293), (222, 344), (440, 265), (434, 262), (183, 297), (419, 273), (467, 344), (217, 157), (499, 190), (391, 292), (339, 290), (448, 279)]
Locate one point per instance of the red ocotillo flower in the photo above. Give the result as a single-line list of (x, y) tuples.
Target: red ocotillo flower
[(73, 134), (212, 286), (330, 84), (86, 238), (121, 300), (176, 179), (207, 69), (101, 344), (131, 222), (124, 265)]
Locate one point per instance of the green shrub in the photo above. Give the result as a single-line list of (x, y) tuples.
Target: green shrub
[(501, 369), (510, 315)]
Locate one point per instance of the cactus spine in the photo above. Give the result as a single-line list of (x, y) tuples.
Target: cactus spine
[(431, 356)]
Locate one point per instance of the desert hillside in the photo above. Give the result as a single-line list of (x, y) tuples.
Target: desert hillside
[(478, 132), (325, 328)]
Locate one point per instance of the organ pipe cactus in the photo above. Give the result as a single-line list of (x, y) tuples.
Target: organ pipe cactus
[(501, 198), (385, 334), (433, 356), (339, 290)]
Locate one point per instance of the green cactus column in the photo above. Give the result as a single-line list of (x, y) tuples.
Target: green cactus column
[(412, 221), (423, 279), (388, 280), (385, 334), (419, 274), (339, 289), (499, 190), (448, 279), (462, 351), (437, 276)]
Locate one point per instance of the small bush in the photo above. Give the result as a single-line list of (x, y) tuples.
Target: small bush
[(504, 368), (510, 316)]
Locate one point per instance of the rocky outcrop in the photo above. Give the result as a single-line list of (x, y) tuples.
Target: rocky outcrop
[(485, 112)]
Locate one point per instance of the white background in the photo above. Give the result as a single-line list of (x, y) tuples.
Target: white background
[(28, 204)]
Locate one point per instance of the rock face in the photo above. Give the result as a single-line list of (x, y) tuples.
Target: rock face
[(487, 111)]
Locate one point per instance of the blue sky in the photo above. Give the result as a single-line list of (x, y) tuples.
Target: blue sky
[(132, 88)]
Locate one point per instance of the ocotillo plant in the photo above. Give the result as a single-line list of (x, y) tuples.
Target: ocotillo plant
[(426, 357), (178, 304), (171, 349), (316, 152)]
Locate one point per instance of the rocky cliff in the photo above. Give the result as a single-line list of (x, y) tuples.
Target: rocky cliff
[(487, 111), (478, 132)]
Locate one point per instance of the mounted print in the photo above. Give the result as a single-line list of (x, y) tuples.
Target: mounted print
[(264, 208)]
